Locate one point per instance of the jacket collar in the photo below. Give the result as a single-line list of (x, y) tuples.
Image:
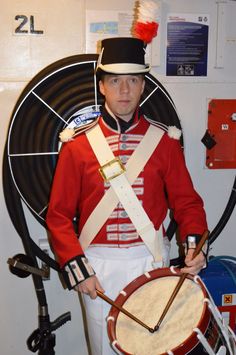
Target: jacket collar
[(117, 123)]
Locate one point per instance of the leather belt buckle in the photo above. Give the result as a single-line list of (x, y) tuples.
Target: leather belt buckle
[(112, 169)]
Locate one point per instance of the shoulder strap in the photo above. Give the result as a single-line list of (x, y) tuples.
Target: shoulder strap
[(121, 189)]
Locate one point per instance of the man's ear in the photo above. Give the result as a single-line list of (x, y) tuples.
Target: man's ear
[(143, 86), (101, 87)]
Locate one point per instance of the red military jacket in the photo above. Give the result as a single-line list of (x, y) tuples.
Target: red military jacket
[(78, 187)]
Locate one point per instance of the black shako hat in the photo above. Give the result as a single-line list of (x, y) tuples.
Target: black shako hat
[(122, 55)]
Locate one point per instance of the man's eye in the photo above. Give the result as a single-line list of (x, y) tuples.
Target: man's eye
[(134, 80)]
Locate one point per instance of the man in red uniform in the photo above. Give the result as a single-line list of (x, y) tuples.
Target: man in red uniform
[(120, 214)]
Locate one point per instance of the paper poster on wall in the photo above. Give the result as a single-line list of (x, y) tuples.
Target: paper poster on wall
[(187, 44), (105, 24)]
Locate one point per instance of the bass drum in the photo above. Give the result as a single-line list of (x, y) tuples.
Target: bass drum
[(191, 326)]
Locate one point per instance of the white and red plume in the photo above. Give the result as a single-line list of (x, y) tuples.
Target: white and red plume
[(146, 25)]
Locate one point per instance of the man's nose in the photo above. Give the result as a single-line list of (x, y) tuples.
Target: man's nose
[(124, 86)]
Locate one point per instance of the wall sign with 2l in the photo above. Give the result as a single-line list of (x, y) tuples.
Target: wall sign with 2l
[(26, 25)]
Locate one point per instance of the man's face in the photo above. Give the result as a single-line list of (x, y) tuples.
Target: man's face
[(122, 93)]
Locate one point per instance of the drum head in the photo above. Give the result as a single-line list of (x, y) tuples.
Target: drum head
[(145, 298)]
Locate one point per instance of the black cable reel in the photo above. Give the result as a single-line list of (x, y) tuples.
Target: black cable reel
[(47, 105), (52, 99)]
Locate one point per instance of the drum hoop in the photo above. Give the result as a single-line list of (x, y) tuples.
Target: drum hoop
[(139, 282)]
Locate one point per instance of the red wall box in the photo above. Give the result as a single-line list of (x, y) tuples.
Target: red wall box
[(222, 128)]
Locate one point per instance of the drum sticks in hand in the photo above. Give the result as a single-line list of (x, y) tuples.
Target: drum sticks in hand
[(181, 280), (121, 309), (173, 295)]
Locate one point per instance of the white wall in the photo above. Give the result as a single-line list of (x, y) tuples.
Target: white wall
[(21, 58), (64, 34)]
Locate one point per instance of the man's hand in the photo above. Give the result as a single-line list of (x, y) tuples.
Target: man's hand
[(193, 266), (89, 287)]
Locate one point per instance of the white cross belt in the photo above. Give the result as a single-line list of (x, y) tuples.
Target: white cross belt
[(113, 171)]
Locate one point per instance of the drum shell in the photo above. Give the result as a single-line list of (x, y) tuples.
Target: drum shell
[(191, 344)]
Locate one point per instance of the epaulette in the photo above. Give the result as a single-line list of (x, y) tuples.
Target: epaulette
[(79, 123), (172, 131)]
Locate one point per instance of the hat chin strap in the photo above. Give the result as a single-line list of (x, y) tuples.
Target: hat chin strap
[(109, 111), (99, 61)]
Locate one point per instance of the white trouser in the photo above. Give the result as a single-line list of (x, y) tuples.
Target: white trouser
[(115, 269)]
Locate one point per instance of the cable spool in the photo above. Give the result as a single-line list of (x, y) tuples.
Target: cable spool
[(44, 108)]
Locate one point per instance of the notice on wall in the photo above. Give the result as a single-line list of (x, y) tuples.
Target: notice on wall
[(187, 44), (106, 24)]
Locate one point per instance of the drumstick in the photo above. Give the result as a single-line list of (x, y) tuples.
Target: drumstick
[(181, 280), (108, 300)]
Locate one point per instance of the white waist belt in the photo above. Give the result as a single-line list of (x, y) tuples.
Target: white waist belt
[(121, 180)]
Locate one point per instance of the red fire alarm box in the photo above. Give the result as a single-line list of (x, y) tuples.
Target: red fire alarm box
[(220, 138)]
